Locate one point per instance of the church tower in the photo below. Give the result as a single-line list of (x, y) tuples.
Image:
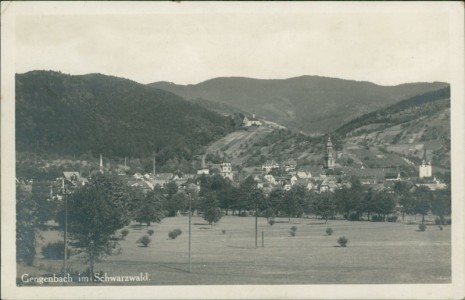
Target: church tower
[(101, 164), (330, 157), (425, 169)]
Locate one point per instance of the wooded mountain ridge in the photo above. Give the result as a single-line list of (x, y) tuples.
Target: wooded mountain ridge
[(65, 114), (312, 104)]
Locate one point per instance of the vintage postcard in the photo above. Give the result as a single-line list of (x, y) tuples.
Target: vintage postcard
[(226, 150)]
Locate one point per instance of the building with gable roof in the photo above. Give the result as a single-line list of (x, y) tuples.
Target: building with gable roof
[(247, 122)]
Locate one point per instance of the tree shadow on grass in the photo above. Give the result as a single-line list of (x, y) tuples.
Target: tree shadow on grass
[(171, 267), (137, 226), (240, 247)]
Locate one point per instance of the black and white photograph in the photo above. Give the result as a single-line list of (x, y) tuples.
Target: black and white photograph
[(224, 150)]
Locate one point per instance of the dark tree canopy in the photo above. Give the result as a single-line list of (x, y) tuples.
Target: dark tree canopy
[(27, 222), (95, 212)]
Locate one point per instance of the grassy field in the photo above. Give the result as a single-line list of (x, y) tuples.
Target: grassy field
[(376, 253)]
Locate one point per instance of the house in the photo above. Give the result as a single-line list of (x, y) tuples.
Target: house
[(328, 185), (305, 183), (203, 171), (226, 171), (433, 185), (303, 175), (74, 178), (269, 166), (270, 178), (138, 176), (393, 177), (247, 122), (164, 176), (289, 166), (139, 184)]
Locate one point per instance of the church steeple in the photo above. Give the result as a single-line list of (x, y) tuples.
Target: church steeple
[(101, 164), (330, 158)]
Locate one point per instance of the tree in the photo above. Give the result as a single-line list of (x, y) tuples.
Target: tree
[(95, 212), (275, 198), (210, 209), (423, 201), (246, 189), (27, 221), (441, 204), (368, 201), (408, 203), (385, 203), (404, 198), (151, 208), (293, 202), (171, 189), (324, 205), (178, 202)]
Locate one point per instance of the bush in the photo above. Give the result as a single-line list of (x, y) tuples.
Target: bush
[(145, 240), (329, 231), (293, 230), (174, 233), (243, 214), (55, 250), (392, 219), (124, 233), (422, 227), (271, 222), (449, 221), (377, 218), (354, 217), (342, 241), (150, 232), (440, 227)]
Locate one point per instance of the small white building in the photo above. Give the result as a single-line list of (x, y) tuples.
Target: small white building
[(269, 166), (203, 171), (252, 121), (425, 169), (226, 171)]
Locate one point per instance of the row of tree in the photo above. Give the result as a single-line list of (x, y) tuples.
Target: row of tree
[(353, 203), (97, 210)]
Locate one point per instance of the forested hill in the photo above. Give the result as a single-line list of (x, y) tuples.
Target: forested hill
[(404, 111), (312, 104), (64, 114)]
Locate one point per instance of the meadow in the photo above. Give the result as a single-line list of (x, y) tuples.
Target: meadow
[(225, 253)]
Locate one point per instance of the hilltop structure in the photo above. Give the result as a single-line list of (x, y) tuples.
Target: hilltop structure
[(252, 121), (330, 157)]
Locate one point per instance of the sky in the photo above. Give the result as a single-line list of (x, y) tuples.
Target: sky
[(386, 48)]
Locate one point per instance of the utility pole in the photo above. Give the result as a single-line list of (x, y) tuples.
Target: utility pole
[(256, 226), (65, 259), (190, 213), (154, 158)]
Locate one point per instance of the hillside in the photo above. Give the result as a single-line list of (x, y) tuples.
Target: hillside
[(312, 104), (63, 114), (406, 129), (386, 140)]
